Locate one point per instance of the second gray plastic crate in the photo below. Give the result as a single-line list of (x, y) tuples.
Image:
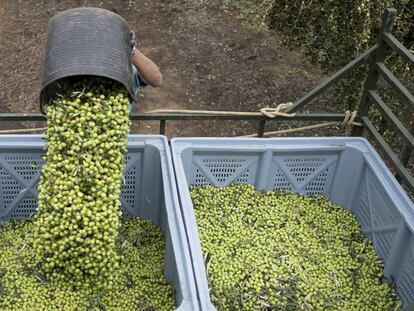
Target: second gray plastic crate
[(347, 170), (149, 192)]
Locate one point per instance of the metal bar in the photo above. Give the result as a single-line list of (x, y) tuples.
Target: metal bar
[(398, 47), (261, 130), (391, 118), (388, 19), (162, 127), (400, 89), (405, 175), (405, 155), (12, 116), (371, 80), (256, 117), (334, 78), (180, 116)]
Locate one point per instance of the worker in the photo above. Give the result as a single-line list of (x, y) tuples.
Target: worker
[(144, 70)]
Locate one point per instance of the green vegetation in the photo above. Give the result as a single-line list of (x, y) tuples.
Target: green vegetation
[(285, 251), (332, 33)]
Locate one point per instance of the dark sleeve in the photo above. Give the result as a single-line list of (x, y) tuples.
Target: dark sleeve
[(142, 83)]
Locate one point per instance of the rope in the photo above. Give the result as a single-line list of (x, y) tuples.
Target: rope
[(201, 112), (276, 112), (271, 113), (15, 131), (296, 129), (347, 122), (268, 112), (349, 119)]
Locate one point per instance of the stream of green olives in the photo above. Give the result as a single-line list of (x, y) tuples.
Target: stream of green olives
[(78, 214), (77, 253), (285, 251)]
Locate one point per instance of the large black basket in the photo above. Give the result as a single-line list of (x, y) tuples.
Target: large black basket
[(86, 42)]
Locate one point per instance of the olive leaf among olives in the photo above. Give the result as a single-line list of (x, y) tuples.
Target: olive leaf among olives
[(284, 251)]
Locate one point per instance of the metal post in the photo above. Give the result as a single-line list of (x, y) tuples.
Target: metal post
[(404, 156), (262, 126), (162, 127), (372, 77)]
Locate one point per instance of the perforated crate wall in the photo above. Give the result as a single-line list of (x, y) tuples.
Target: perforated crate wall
[(131, 181), (222, 169), (19, 174), (405, 277), (19, 177), (148, 192), (308, 174), (347, 170), (377, 214)]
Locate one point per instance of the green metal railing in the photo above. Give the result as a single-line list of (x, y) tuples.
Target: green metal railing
[(371, 97), (374, 56)]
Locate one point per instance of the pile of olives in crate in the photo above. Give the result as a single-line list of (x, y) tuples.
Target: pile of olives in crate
[(284, 251)]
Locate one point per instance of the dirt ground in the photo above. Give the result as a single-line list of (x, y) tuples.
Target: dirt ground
[(208, 58)]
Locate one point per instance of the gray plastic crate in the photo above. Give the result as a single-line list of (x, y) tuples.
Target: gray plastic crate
[(149, 192), (348, 170)]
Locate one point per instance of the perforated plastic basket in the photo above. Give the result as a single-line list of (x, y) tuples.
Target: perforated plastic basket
[(149, 192), (348, 170)]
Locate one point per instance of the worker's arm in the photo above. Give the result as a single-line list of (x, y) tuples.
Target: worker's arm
[(147, 69)]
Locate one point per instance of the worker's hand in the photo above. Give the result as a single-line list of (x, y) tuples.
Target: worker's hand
[(148, 70)]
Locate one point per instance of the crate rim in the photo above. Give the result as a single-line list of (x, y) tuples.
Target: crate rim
[(253, 144)]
